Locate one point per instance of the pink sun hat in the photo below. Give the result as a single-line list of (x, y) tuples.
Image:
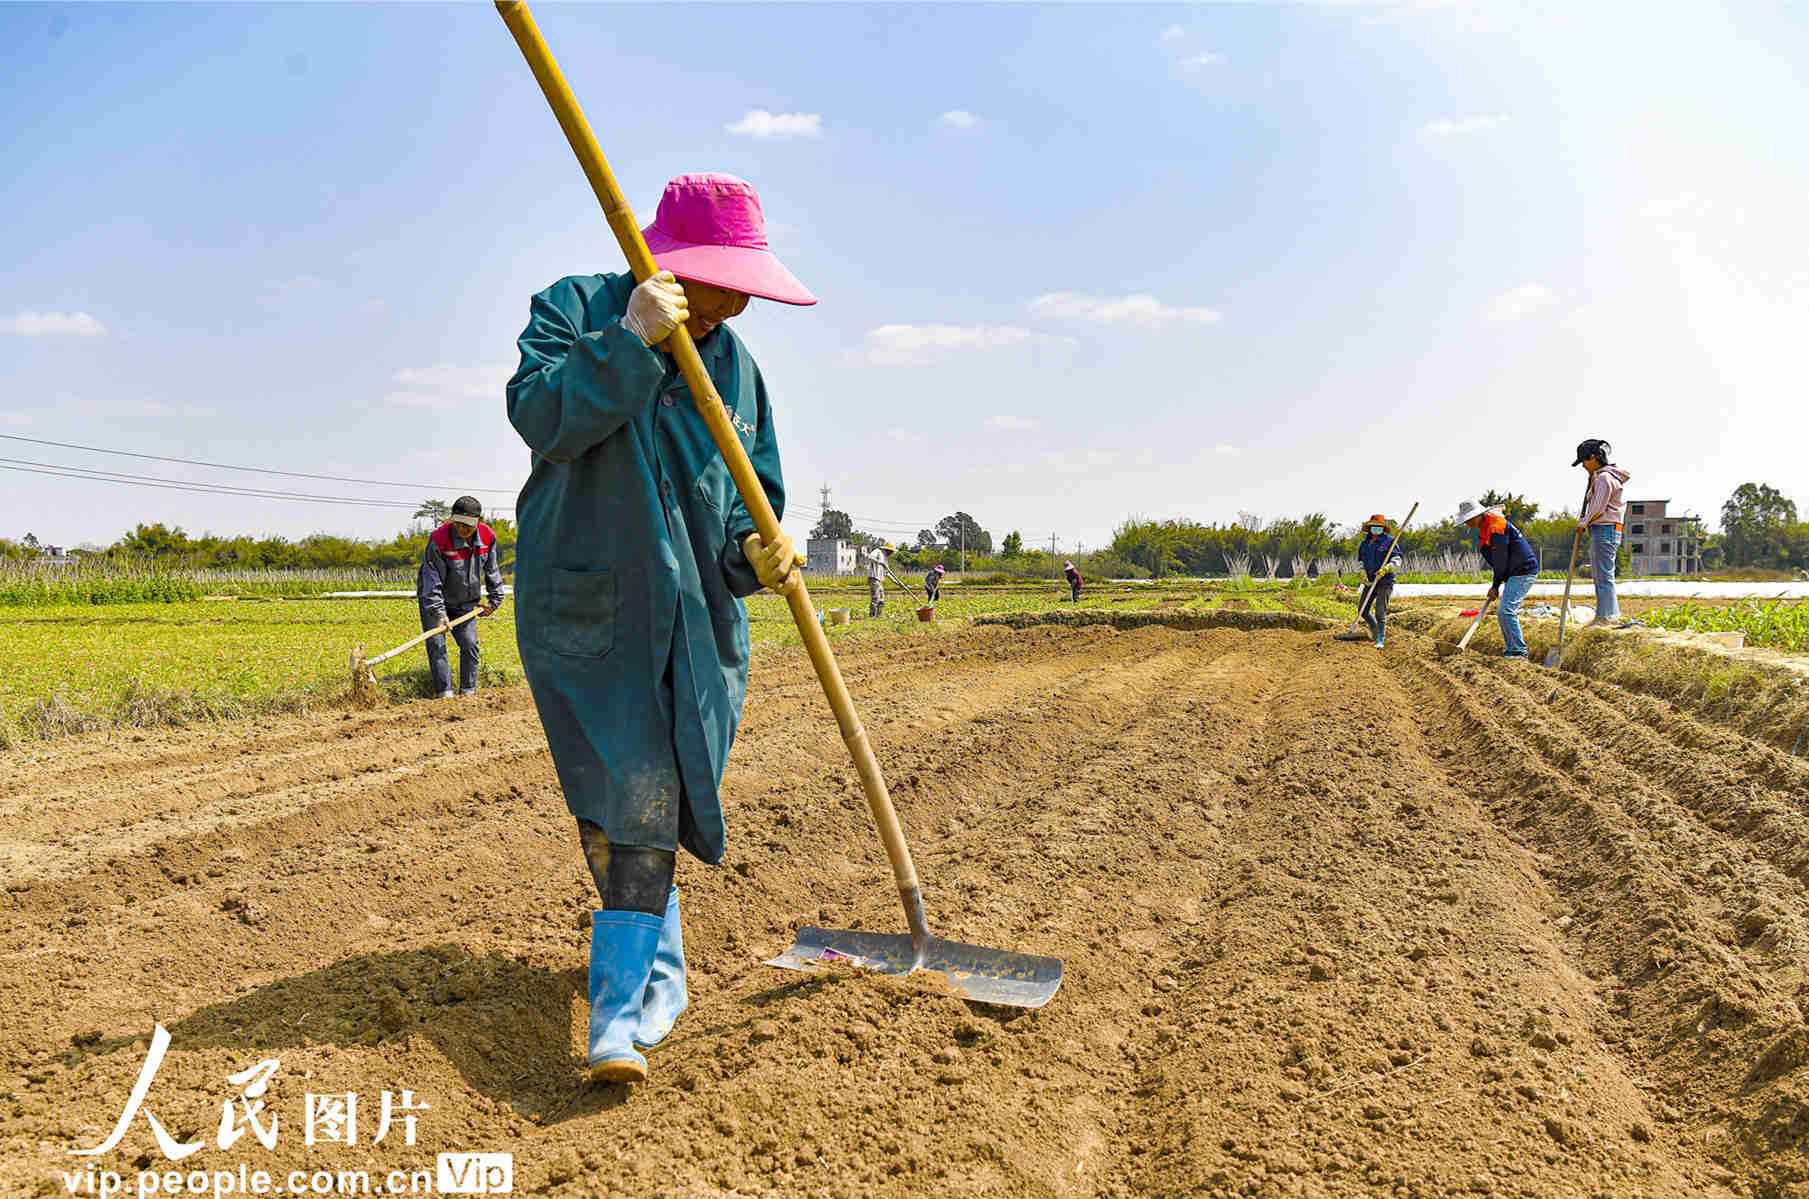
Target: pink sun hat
[(711, 228)]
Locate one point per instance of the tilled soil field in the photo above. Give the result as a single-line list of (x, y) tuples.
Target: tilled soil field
[(1335, 922)]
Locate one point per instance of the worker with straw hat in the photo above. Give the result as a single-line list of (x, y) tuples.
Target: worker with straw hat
[(876, 556), (1380, 554), (1515, 563), (635, 552), (458, 567), (1072, 572)]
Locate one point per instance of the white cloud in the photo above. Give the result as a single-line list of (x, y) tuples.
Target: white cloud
[(1461, 126), (1207, 59), (959, 120), (52, 324), (910, 439), (921, 345), (1518, 303), (760, 123), (1007, 423), (163, 408), (1091, 461), (1143, 311), (447, 388), (432, 401), (468, 382), (1173, 33)]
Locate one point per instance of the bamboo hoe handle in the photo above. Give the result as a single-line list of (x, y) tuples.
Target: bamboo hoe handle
[(709, 405), (386, 655), (1576, 546), (1475, 624), (1369, 588)]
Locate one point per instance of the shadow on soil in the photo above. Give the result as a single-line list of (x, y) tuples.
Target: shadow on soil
[(504, 1024)]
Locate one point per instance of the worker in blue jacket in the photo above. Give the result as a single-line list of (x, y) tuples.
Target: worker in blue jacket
[(458, 566), (1515, 565), (1380, 554), (634, 554)]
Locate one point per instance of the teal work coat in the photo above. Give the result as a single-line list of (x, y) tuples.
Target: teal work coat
[(628, 567)]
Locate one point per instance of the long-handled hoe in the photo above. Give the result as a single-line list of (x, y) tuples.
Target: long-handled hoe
[(1556, 654), (364, 681), (1446, 650), (973, 971), (1356, 632)]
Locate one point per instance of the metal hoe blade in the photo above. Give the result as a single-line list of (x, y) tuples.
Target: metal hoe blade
[(973, 972)]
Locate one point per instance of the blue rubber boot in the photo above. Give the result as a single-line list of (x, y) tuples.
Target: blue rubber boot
[(666, 996), (622, 945)]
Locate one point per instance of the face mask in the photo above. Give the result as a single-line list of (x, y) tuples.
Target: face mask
[(1376, 530)]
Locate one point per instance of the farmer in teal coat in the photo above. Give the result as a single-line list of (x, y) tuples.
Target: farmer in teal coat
[(635, 551)]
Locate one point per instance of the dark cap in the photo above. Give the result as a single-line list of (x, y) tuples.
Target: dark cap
[(1595, 448), (467, 505)]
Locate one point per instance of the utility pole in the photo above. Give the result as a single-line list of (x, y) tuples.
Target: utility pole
[(964, 547), (1052, 570), (825, 494)]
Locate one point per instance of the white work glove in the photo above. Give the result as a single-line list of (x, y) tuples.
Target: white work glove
[(774, 565), (655, 308), (1388, 568)]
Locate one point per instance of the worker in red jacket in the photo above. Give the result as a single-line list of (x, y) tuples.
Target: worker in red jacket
[(458, 566), (1073, 574)]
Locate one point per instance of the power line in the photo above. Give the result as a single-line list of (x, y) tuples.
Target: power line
[(257, 470), (802, 510), (99, 476)]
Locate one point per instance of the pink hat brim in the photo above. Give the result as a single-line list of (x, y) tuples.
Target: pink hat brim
[(755, 272)]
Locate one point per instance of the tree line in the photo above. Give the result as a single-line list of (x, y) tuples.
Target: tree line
[(1760, 528)]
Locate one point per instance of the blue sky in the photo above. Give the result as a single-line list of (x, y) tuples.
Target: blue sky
[(1171, 261)]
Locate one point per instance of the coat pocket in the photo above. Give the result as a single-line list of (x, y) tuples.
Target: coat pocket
[(572, 612), (710, 485)]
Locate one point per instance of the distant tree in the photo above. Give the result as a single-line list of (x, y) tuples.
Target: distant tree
[(435, 510), (1309, 537), (926, 539), (1014, 544), (154, 541), (962, 532), (31, 542), (1520, 510), (833, 526), (1755, 526)]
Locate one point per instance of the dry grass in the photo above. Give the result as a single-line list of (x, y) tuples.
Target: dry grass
[(1763, 695)]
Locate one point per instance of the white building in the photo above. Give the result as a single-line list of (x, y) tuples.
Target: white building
[(1660, 542), (831, 556)]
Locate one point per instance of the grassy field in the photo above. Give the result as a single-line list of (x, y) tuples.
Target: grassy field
[(72, 667), (65, 668)]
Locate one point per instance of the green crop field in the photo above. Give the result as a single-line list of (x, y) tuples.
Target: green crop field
[(74, 666), (1780, 625)]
